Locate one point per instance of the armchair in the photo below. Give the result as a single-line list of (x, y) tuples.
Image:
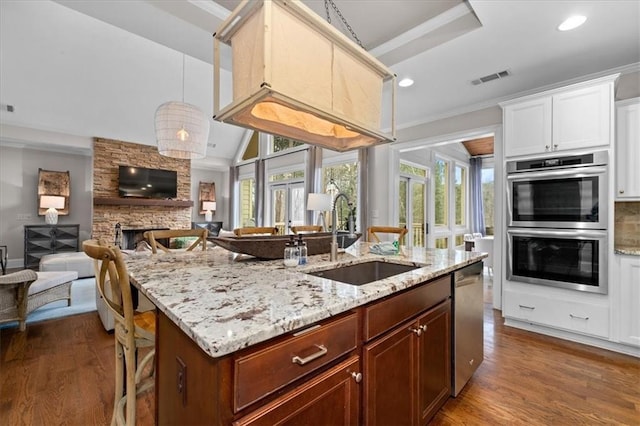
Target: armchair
[(25, 291)]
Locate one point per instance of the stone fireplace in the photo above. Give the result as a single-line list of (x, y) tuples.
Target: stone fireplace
[(140, 214)]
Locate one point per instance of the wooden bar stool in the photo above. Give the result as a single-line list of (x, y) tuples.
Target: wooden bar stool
[(253, 230), (372, 232), (132, 331)]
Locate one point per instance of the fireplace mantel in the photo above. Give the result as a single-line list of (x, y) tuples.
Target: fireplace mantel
[(116, 201)]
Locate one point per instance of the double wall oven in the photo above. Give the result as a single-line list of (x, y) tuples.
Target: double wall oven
[(557, 221)]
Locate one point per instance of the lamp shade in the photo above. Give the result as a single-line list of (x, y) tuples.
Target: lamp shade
[(319, 202), (182, 131), (51, 201), (208, 205), (296, 76)]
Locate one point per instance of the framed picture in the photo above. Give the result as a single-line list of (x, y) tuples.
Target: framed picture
[(207, 192), (54, 183)]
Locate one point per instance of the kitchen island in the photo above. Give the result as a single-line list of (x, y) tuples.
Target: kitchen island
[(226, 323)]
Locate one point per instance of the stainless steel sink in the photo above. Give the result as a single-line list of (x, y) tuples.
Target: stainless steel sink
[(364, 273)]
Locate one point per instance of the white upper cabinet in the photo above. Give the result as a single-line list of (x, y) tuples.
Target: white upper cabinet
[(628, 150), (575, 117), (528, 127), (582, 118)]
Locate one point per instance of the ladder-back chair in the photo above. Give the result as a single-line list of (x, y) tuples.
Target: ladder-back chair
[(253, 230), (372, 232), (306, 228), (132, 331), (153, 236)]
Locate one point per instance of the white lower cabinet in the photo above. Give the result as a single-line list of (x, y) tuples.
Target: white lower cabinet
[(579, 317), (628, 277)]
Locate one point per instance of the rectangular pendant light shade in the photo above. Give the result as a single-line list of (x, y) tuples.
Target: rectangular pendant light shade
[(296, 76)]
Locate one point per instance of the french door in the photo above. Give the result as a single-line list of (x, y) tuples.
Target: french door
[(413, 209), (287, 205)]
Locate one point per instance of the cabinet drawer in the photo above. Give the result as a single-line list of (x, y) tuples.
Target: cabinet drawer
[(328, 399), (384, 315), (585, 318), (262, 372)]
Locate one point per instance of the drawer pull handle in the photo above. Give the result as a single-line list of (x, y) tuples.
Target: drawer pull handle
[(322, 350), (418, 331), (356, 376), (423, 327), (527, 307), (578, 317)]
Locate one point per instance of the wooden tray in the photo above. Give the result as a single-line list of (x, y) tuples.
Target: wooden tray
[(272, 246)]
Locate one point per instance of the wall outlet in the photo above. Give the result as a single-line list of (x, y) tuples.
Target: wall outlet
[(374, 213), (24, 217)]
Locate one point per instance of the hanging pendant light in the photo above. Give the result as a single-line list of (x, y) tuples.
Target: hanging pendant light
[(182, 130), (296, 76)]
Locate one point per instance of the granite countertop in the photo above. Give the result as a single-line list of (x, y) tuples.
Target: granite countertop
[(226, 302), (632, 250)]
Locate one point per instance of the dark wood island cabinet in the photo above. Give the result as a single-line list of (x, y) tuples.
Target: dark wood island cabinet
[(242, 341), (384, 363)]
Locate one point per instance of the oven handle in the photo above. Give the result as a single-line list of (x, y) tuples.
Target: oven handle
[(582, 233), (576, 172)]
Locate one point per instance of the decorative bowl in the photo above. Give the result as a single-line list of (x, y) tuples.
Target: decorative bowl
[(272, 246)]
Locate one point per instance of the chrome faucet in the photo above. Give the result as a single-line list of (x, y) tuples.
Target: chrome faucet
[(334, 224)]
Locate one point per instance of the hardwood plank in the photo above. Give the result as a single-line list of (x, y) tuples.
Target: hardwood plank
[(527, 378), (61, 372)]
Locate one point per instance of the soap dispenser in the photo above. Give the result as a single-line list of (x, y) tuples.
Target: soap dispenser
[(302, 251)]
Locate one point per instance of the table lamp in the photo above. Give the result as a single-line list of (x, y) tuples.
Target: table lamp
[(208, 206), (321, 203), (51, 202)]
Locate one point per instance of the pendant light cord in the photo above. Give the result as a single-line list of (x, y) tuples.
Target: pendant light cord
[(183, 78)]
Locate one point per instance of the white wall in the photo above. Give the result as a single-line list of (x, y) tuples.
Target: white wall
[(221, 180)]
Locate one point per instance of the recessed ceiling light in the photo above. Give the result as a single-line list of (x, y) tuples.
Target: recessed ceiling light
[(572, 22), (405, 82)]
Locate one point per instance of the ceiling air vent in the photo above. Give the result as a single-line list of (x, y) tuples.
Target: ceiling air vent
[(491, 77)]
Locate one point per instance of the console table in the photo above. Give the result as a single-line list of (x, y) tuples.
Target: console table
[(40, 240)]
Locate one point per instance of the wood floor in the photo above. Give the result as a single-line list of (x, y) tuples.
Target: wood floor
[(60, 372)]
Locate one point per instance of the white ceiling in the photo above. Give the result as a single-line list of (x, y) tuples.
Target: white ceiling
[(442, 44)]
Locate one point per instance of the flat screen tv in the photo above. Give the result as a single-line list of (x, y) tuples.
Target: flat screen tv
[(147, 183)]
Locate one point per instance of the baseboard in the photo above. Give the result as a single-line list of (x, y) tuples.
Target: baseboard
[(574, 337)]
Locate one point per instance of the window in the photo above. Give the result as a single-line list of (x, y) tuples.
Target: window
[(487, 199), (282, 144), (279, 177), (252, 149), (247, 213), (287, 205), (461, 195), (441, 199), (412, 170), (341, 178), (451, 201), (442, 243), (412, 208)]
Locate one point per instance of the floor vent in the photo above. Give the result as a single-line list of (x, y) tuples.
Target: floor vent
[(491, 77)]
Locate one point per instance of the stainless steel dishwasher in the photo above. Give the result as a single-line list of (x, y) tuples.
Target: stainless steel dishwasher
[(468, 328)]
